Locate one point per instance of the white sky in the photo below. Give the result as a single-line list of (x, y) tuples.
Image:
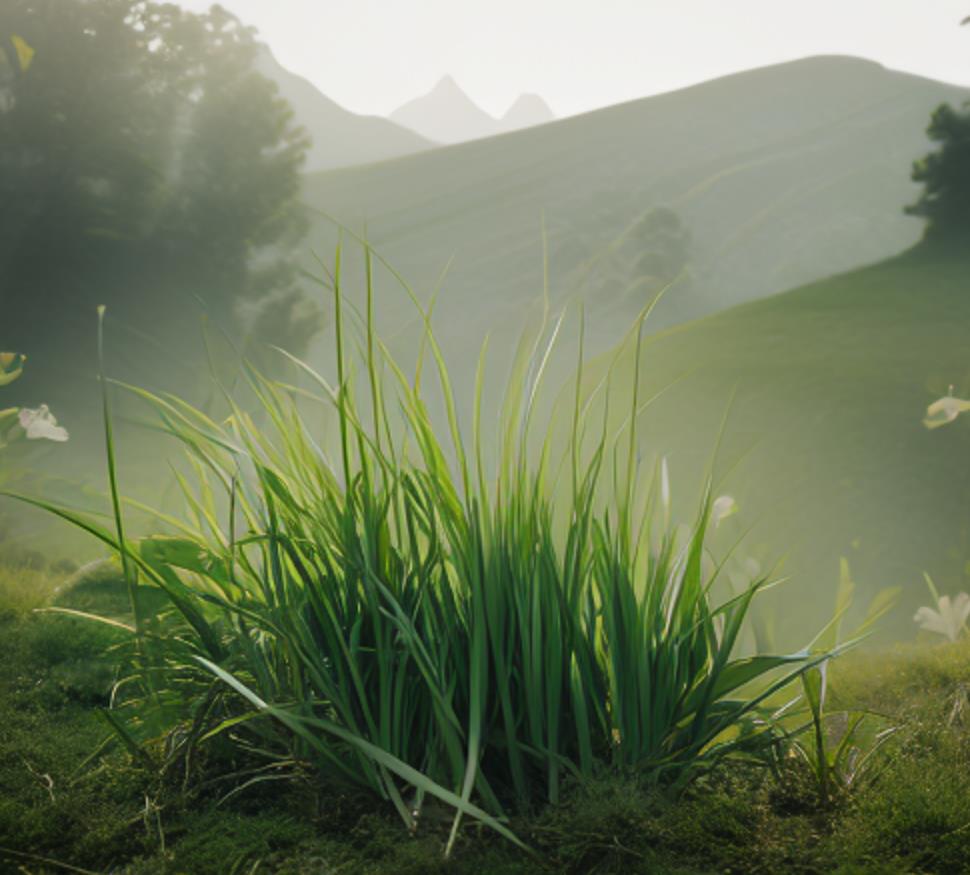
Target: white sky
[(373, 55)]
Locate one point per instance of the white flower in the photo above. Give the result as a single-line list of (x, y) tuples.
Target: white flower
[(723, 507), (944, 410), (949, 620), (40, 424)]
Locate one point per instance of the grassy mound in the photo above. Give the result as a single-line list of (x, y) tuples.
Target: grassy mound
[(503, 655), (114, 816), (391, 614)]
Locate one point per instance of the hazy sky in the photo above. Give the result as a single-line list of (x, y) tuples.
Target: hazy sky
[(372, 55)]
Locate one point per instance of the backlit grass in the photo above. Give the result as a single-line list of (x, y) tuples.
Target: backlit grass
[(387, 611)]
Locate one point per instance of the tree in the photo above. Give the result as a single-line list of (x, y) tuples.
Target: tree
[(945, 175), (146, 165), (653, 252)]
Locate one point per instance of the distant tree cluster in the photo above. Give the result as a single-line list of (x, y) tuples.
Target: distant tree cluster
[(144, 164), (663, 245), (654, 252)]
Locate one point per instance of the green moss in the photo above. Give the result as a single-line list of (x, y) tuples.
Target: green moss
[(741, 819), (23, 589), (926, 678)]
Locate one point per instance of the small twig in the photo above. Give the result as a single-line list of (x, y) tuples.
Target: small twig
[(961, 702), (957, 830), (626, 850), (45, 779), (150, 809)]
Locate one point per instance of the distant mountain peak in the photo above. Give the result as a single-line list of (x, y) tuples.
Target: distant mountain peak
[(446, 114), (448, 89), (340, 138), (447, 83), (526, 111)]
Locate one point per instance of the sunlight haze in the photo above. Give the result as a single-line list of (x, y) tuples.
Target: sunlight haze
[(373, 55), (472, 437)]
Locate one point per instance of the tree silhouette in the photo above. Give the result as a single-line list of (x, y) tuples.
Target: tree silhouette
[(144, 164), (945, 174)]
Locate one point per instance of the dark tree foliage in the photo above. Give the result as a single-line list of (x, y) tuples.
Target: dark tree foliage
[(945, 175), (146, 165)]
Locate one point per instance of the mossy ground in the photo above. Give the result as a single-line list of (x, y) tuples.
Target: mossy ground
[(112, 816)]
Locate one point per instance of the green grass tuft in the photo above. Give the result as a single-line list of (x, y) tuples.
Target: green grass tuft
[(393, 613)]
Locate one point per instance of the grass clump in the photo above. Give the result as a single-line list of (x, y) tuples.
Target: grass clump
[(391, 613), (741, 819), (915, 815)]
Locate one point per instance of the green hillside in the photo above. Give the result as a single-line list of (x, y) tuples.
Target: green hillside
[(779, 175), (832, 381), (773, 177)]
